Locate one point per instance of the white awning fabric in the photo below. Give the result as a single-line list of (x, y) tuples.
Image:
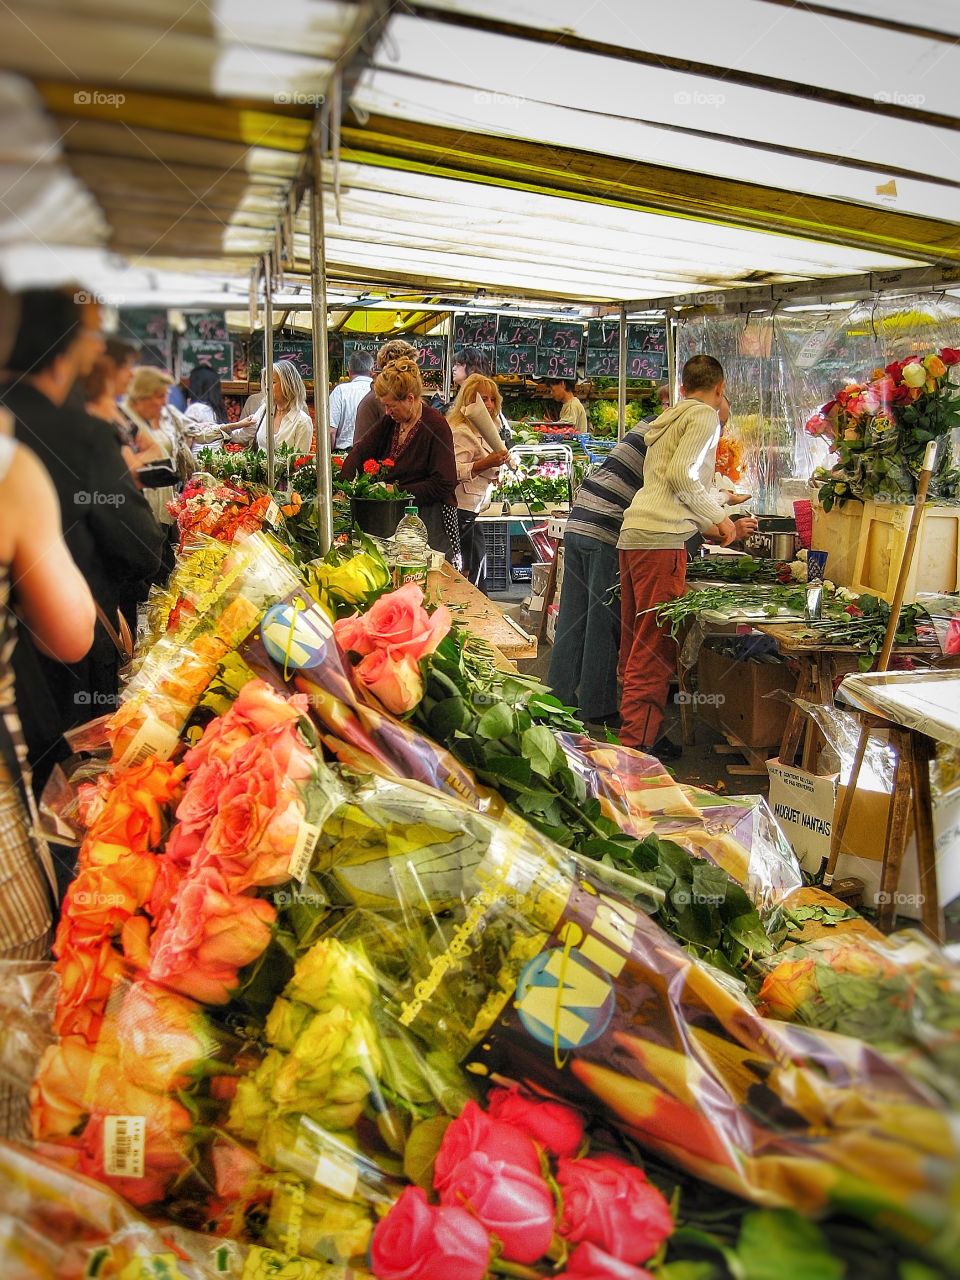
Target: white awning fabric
[(548, 149)]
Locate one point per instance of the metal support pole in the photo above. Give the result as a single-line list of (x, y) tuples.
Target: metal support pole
[(268, 363), (448, 367), (671, 328), (622, 378), (321, 359)]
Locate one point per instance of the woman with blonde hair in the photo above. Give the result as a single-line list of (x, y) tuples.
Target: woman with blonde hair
[(418, 441), (477, 470)]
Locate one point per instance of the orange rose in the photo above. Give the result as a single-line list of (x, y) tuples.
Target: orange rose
[(395, 682), (163, 1038), (87, 978), (101, 898), (67, 1079), (791, 984)]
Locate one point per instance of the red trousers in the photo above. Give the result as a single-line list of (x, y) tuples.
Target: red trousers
[(648, 654)]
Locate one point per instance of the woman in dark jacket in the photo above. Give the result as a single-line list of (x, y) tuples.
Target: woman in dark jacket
[(419, 441)]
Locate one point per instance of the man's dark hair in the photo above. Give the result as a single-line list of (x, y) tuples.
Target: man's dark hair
[(121, 351), (569, 383), (473, 360), (701, 373), (360, 362), (50, 322)]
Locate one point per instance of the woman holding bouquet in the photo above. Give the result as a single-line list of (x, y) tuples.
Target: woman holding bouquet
[(420, 443), (477, 469)]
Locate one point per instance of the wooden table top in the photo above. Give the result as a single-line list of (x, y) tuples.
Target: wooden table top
[(473, 611), (795, 637)]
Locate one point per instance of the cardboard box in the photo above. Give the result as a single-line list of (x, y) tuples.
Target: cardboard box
[(806, 806), (733, 696), (883, 535), (552, 614)]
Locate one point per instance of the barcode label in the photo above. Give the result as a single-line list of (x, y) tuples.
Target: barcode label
[(303, 849), (124, 1146), (272, 513), (153, 738)]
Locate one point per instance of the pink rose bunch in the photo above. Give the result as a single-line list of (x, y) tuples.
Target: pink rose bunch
[(492, 1171), (240, 820), (390, 639)]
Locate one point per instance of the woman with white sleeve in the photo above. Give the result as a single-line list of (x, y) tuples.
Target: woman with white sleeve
[(477, 470)]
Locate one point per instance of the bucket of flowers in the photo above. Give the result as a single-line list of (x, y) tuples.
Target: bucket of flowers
[(376, 504)]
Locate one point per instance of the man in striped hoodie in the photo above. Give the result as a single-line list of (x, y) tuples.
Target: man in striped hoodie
[(676, 501)]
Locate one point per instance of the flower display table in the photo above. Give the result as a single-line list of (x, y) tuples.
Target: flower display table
[(473, 610)]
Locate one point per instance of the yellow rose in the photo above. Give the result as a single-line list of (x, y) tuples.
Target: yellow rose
[(308, 1071), (250, 1108), (935, 366), (331, 975), (914, 375), (286, 1021)]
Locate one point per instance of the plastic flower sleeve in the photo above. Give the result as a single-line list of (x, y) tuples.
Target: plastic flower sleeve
[(54, 1222)]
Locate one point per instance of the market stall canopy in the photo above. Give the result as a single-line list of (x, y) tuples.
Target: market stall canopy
[(558, 151)]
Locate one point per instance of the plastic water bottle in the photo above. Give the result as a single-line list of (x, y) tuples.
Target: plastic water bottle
[(411, 550)]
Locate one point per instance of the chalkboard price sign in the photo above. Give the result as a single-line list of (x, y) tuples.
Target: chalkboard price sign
[(144, 326), (646, 337), (519, 360), (560, 336), (556, 363), (602, 363), (429, 353), (206, 326), (217, 356), (474, 330), (298, 351), (352, 345), (603, 334), (517, 332), (646, 364)]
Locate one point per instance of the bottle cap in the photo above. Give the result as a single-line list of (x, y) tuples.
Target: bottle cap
[(410, 509)]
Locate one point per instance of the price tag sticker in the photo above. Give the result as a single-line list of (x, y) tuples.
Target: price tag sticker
[(336, 1175), (124, 1146), (272, 514), (303, 850), (153, 738)]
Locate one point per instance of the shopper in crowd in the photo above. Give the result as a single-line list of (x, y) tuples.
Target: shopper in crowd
[(676, 500), (108, 527), (369, 410), (477, 470), (583, 661), (345, 399), (292, 424), (178, 397), (54, 606), (572, 412), (205, 421), (108, 379), (420, 443), (159, 438)]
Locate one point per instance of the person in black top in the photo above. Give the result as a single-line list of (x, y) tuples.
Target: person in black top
[(108, 527)]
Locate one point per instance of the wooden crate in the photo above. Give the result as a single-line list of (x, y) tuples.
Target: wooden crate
[(838, 533), (883, 534)]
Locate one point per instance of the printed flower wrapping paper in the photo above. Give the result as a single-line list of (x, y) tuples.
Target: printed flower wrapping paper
[(282, 978)]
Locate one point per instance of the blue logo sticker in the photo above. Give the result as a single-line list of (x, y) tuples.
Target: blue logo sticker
[(563, 999), (306, 646)]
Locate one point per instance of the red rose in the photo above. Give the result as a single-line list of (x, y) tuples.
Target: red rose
[(515, 1205), (371, 466), (950, 355), (557, 1128), (853, 611), (587, 1262), (421, 1241), (610, 1203), (303, 461), (473, 1130), (337, 462), (389, 462), (894, 370)]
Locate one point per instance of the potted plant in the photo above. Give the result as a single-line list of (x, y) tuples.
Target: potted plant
[(376, 504)]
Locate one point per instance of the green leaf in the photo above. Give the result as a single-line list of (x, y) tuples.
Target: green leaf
[(496, 721), (750, 933), (689, 1271), (511, 769), (421, 1150), (447, 716), (540, 747), (778, 1243)]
